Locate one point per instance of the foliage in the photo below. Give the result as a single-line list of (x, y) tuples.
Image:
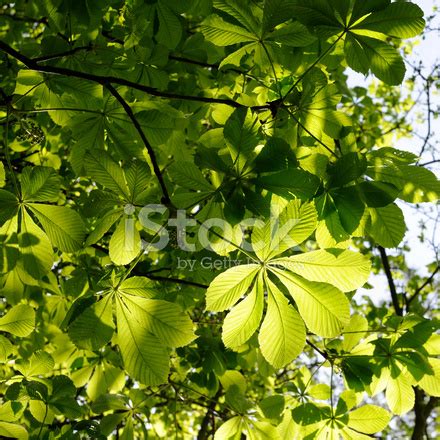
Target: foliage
[(118, 117)]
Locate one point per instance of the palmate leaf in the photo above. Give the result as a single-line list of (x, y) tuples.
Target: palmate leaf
[(229, 286), (416, 184), (294, 224), (170, 29), (125, 243), (102, 168), (187, 175), (139, 286), (276, 12), (400, 395), (368, 419), (146, 328), (230, 430), (19, 320), (40, 184), (387, 225), (240, 12), (137, 176), (103, 225), (430, 383), (145, 358), (324, 308), (36, 252), (244, 318), (385, 62), (162, 318), (8, 206), (222, 33), (347, 270), (13, 430), (293, 34), (93, 328), (63, 225), (290, 183), (399, 19), (282, 335)]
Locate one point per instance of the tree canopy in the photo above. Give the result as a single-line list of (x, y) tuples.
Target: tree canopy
[(191, 194)]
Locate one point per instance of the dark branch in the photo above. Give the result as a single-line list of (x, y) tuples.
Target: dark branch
[(419, 289), (62, 54), (166, 197), (203, 433), (422, 412), (391, 285), (104, 80)]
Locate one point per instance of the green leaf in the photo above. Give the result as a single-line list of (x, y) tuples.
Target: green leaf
[(369, 419), (125, 244), (241, 134), (138, 286), (222, 33), (347, 270), (19, 320), (145, 357), (319, 15), (276, 12), (377, 194), (40, 184), (163, 319), (38, 364), (102, 226), (290, 183), (293, 34), (102, 168), (383, 60), (227, 288), (282, 335), (399, 19), (2, 175), (400, 395), (347, 168), (387, 225), (170, 29), (188, 175), (324, 308), (417, 184), (94, 327), (430, 383), (354, 332), (6, 349), (294, 224), (230, 430), (13, 430), (36, 251), (317, 112), (8, 206), (244, 318), (138, 179), (63, 226), (243, 14)]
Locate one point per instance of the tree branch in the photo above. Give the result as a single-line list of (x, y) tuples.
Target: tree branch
[(391, 285), (203, 433), (104, 80), (422, 412), (419, 289), (166, 197)]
